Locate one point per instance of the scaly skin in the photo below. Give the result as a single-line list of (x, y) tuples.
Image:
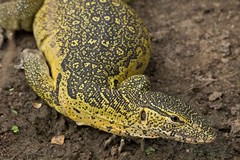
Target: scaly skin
[(16, 15), (94, 54)]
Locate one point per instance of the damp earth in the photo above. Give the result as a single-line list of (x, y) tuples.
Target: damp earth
[(195, 57)]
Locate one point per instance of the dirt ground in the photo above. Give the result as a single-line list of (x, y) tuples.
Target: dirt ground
[(196, 57)]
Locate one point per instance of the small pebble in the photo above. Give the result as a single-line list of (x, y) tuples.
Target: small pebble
[(58, 140), (37, 105)]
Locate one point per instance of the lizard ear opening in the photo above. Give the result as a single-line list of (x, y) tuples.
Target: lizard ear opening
[(143, 115)]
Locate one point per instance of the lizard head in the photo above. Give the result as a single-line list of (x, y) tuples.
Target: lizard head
[(163, 116)]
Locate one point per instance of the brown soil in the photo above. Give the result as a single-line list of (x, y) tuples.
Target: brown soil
[(196, 57)]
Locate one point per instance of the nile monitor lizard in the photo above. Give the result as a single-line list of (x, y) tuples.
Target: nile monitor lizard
[(89, 68)]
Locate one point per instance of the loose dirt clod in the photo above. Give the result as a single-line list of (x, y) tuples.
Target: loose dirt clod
[(215, 95), (235, 129)]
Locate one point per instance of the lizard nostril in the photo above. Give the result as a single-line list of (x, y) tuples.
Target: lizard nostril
[(115, 83)]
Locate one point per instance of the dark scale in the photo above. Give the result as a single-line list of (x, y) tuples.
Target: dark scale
[(56, 92)]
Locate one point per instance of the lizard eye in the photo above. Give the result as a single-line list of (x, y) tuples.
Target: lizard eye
[(175, 119)]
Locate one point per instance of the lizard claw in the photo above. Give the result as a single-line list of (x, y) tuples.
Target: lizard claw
[(109, 141), (122, 144)]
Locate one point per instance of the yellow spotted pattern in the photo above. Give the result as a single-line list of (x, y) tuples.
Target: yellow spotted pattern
[(89, 68)]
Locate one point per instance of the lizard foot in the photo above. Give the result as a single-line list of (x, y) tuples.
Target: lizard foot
[(112, 139), (122, 143)]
